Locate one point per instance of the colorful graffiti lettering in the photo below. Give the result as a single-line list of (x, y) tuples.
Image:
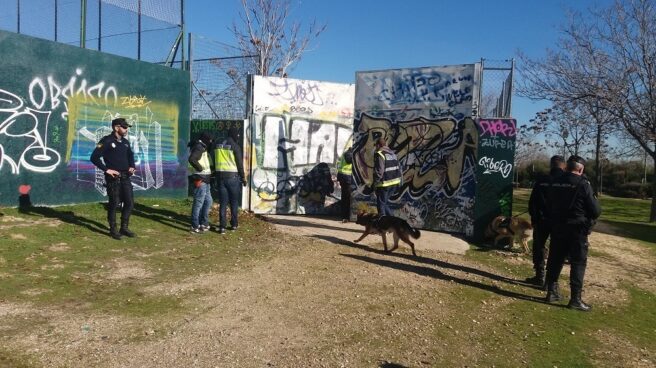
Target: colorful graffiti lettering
[(505, 128), (432, 153), (133, 102)]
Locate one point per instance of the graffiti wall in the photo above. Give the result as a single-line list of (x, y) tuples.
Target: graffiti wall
[(425, 116), (296, 134), (494, 170), (57, 102)]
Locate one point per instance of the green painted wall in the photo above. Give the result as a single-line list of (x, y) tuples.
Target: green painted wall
[(494, 170), (57, 101)]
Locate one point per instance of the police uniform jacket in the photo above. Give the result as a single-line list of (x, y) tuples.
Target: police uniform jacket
[(387, 171), (537, 203), (116, 154), (572, 201)]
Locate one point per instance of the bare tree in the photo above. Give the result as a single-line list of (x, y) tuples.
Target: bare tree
[(267, 31), (607, 58), (564, 127)]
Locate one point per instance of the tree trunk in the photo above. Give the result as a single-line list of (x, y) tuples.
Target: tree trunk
[(652, 214), (597, 159)]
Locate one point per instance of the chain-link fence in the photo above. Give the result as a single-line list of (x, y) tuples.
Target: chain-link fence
[(218, 76), (140, 29), (496, 88)]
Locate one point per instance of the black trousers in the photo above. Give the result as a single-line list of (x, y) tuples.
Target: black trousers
[(540, 235), (119, 190), (572, 241), (345, 183)]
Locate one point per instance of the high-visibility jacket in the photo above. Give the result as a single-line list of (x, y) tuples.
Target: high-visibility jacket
[(391, 174), (204, 162), (224, 158), (344, 167)]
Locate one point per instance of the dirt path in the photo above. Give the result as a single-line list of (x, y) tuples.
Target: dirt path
[(324, 302), (343, 233)]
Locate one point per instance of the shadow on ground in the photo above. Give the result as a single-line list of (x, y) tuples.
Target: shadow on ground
[(300, 222), (68, 217), (163, 216)]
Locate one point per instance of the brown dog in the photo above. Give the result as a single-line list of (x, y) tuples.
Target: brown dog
[(512, 228), (399, 228)]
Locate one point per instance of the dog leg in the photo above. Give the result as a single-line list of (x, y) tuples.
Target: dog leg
[(396, 241), (412, 246), (384, 240), (362, 237)]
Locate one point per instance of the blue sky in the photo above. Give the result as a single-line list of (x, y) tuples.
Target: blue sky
[(384, 34)]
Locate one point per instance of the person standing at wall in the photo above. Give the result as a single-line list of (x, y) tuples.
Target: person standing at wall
[(539, 211), (387, 176), (574, 209), (344, 171), (113, 155), (200, 173), (229, 171)]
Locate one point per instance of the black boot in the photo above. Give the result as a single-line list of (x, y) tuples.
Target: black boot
[(553, 294), (575, 302), (538, 279), (113, 233), (125, 231)]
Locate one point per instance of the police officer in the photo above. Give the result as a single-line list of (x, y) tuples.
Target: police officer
[(538, 210), (387, 176), (344, 171), (118, 165), (574, 210), (229, 172)]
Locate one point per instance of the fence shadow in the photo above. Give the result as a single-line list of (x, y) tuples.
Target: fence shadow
[(304, 223), (163, 216), (68, 217), (436, 274)]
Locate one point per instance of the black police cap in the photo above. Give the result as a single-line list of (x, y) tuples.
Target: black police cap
[(577, 159), (122, 122)]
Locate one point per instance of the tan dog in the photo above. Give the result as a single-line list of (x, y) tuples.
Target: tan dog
[(512, 228), (399, 228)]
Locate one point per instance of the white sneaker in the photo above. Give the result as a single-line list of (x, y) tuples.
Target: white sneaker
[(204, 228), (195, 230)]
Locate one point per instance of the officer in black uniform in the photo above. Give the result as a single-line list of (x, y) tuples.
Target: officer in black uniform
[(574, 209), (538, 209), (118, 165)]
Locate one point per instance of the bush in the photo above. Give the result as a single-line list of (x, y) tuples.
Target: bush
[(632, 190)]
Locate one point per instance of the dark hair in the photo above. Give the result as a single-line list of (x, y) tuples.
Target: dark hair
[(573, 162), (557, 160), (233, 132), (122, 122), (206, 138)]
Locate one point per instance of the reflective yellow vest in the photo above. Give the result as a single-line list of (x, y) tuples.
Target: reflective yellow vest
[(392, 174), (224, 158), (204, 162), (343, 167)]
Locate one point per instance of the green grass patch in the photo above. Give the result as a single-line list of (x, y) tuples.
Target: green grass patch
[(63, 256)]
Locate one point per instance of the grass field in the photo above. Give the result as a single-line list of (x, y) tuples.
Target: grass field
[(63, 280)]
